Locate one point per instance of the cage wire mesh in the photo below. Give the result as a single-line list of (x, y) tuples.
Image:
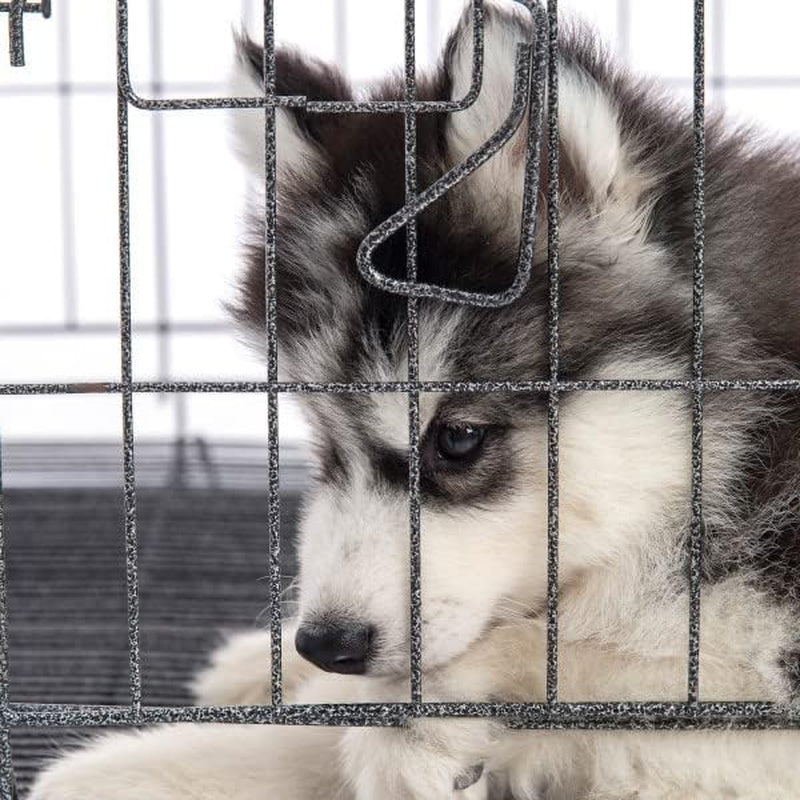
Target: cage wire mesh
[(535, 90)]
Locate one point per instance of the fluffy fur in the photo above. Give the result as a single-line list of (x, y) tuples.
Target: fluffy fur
[(626, 255)]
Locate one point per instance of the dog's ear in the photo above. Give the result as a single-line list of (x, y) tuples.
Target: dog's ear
[(300, 136), (316, 290), (503, 29), (595, 166)]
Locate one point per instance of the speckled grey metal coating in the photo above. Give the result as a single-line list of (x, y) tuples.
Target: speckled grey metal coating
[(249, 387), (551, 678), (412, 341), (322, 106), (532, 62), (528, 91), (16, 40), (16, 10), (6, 768), (542, 716), (270, 251), (126, 373), (698, 224)]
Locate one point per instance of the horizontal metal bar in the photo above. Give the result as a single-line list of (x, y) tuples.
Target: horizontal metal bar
[(95, 88), (288, 101), (747, 715), (310, 107), (29, 8), (457, 387)]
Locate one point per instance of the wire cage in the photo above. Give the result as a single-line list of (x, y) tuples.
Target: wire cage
[(535, 88)]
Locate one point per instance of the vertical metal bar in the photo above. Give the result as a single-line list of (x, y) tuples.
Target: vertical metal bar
[(415, 588), (698, 289), (340, 33), (3, 595), (126, 364), (16, 37), (276, 649), (553, 399), (7, 791), (270, 215), (66, 167)]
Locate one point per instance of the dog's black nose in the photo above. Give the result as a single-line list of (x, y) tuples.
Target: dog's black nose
[(340, 647)]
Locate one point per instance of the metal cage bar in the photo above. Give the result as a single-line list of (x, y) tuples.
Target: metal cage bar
[(324, 106), (126, 372), (16, 41), (271, 305), (539, 716), (6, 760), (412, 338), (527, 92), (698, 294), (283, 387), (16, 10), (551, 687)]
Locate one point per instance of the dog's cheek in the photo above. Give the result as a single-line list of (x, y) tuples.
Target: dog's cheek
[(474, 567)]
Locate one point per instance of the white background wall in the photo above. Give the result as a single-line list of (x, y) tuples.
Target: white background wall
[(58, 206)]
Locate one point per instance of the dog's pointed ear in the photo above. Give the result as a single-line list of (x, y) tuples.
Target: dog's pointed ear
[(503, 29), (595, 167), (300, 136)]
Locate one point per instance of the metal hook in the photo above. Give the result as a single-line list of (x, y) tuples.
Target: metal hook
[(529, 79)]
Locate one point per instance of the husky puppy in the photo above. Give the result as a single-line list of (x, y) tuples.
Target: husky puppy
[(626, 292)]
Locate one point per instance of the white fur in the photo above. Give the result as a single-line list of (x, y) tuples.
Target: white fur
[(589, 127), (353, 545), (588, 124), (500, 177), (294, 153)]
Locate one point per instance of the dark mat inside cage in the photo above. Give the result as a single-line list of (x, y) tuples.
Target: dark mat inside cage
[(202, 567)]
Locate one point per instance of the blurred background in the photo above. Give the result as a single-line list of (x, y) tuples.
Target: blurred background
[(201, 459)]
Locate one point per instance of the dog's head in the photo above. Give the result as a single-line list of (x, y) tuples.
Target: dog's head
[(483, 456)]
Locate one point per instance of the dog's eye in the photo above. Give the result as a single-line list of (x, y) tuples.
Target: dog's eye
[(459, 443)]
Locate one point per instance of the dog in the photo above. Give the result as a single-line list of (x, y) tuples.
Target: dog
[(626, 254)]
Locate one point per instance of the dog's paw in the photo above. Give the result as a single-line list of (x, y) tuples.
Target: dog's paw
[(105, 768), (238, 673), (189, 762), (429, 760), (239, 670)]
